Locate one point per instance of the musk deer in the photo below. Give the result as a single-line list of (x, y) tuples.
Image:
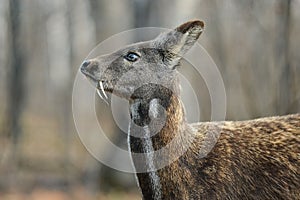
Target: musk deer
[(255, 159)]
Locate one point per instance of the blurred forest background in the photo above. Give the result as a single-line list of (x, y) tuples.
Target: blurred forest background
[(255, 44)]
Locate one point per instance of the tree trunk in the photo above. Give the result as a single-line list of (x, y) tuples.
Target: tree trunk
[(66, 96), (281, 55), (15, 75), (97, 15)]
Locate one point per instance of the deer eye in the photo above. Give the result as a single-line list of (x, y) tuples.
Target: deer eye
[(132, 57)]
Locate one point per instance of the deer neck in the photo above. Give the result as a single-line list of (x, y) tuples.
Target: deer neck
[(155, 121), (158, 117)]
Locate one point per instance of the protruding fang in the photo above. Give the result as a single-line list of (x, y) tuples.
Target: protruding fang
[(102, 89), (99, 94)]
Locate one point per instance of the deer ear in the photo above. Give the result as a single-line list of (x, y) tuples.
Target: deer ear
[(189, 33), (178, 41)]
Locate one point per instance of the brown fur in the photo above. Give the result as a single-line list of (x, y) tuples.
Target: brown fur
[(255, 159)]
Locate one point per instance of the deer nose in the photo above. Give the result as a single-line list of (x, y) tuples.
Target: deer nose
[(85, 64)]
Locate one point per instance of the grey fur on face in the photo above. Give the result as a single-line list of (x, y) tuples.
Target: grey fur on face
[(154, 61)]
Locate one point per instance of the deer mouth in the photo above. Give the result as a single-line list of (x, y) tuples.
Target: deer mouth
[(106, 86), (89, 76), (98, 84)]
